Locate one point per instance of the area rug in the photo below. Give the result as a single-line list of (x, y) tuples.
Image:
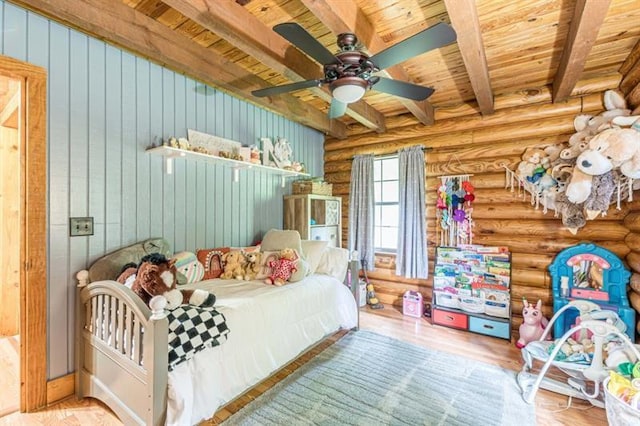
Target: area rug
[(369, 379)]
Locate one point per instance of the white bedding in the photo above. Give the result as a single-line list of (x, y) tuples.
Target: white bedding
[(269, 326)]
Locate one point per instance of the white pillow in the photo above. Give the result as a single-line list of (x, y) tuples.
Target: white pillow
[(335, 262), (277, 239), (312, 251)]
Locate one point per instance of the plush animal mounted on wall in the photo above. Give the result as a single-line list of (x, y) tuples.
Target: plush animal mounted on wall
[(234, 262), (252, 267), (156, 276), (283, 267), (533, 324)]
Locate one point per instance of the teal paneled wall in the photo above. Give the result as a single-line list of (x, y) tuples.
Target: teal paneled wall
[(105, 107)]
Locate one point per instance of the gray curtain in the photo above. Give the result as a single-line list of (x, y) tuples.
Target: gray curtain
[(361, 206), (411, 259)]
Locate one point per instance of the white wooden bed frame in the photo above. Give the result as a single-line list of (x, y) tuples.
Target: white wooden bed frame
[(116, 362)]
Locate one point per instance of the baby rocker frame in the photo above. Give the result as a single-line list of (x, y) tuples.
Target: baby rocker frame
[(585, 380)]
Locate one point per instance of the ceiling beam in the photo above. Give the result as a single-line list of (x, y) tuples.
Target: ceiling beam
[(121, 25), (243, 30), (346, 17), (464, 19), (588, 16)]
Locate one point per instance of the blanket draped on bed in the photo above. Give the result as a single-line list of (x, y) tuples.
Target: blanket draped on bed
[(192, 329)]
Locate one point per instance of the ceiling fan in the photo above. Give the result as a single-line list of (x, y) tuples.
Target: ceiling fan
[(349, 73)]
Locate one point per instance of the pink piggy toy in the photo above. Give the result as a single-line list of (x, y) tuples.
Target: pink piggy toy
[(533, 325)]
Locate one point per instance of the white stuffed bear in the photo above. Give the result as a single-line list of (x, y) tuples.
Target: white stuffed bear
[(610, 149)]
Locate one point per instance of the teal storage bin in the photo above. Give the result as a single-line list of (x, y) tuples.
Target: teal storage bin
[(489, 327)]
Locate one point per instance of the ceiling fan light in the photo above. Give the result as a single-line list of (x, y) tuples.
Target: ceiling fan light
[(348, 89)]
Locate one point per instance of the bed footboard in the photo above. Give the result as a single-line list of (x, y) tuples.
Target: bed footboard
[(121, 352)]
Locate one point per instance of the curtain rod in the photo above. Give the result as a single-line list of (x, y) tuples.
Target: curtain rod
[(424, 149)]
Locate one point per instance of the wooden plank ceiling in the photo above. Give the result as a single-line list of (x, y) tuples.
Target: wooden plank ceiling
[(559, 48)]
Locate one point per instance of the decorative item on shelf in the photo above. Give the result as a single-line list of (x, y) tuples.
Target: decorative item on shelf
[(596, 168), (213, 144), (453, 212), (315, 186), (254, 156), (279, 154)]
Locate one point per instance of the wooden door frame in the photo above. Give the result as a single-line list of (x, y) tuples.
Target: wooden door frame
[(33, 232)]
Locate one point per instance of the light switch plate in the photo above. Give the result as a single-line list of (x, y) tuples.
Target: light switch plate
[(80, 226)]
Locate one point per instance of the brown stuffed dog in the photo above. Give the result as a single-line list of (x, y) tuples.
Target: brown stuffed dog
[(156, 276)]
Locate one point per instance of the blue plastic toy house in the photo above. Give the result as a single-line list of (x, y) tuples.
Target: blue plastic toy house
[(588, 271)]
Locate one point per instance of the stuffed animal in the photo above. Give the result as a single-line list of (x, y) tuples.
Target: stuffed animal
[(234, 262), (572, 214), (579, 186), (156, 276), (188, 269), (532, 160), (611, 149), (533, 325), (282, 268), (252, 266), (602, 190)]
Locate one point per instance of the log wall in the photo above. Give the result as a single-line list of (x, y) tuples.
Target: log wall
[(630, 86), (482, 146)]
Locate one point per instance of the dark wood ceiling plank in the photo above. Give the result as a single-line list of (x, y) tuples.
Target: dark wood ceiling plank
[(464, 19), (588, 16), (345, 16), (244, 31), (123, 26), (632, 78)]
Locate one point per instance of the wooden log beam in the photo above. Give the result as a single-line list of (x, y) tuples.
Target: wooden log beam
[(239, 27), (633, 260), (631, 79), (123, 26), (633, 241), (531, 260), (631, 60), (464, 18), (520, 208), (588, 16), (634, 283), (633, 97), (521, 118), (632, 221), (634, 300), (593, 230), (346, 17), (518, 99)]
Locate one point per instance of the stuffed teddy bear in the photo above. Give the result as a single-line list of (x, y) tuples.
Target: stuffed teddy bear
[(603, 187), (532, 161), (282, 268), (611, 149), (253, 264), (156, 276), (572, 214), (234, 262)]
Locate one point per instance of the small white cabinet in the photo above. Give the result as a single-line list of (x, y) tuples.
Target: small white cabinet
[(315, 217)]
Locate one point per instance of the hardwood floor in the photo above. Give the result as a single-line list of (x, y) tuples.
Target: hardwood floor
[(9, 374), (550, 407)]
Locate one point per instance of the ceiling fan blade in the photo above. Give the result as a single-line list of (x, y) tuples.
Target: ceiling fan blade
[(299, 37), (276, 90), (337, 108), (433, 37), (402, 89)]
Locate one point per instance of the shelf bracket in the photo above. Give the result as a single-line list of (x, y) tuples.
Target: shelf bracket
[(236, 175), (282, 181), (168, 165)]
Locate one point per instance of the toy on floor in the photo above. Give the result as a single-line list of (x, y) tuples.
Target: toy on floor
[(372, 300), (533, 325), (586, 376)]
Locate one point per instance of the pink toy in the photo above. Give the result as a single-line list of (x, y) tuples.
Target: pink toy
[(533, 325), (282, 268)]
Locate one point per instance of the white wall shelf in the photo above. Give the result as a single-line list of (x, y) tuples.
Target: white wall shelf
[(169, 153)]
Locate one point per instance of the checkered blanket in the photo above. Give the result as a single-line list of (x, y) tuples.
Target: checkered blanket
[(192, 329)]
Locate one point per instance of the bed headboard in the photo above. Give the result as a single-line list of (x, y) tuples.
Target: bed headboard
[(109, 266)]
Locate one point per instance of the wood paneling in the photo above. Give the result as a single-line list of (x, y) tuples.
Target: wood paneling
[(109, 107)]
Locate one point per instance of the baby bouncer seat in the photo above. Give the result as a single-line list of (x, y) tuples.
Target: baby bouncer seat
[(586, 374)]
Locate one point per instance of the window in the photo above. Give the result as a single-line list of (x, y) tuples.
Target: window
[(385, 183)]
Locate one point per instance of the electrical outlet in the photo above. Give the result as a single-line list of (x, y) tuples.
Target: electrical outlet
[(80, 226)]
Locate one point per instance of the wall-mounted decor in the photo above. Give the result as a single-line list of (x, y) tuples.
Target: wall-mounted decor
[(453, 212)]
